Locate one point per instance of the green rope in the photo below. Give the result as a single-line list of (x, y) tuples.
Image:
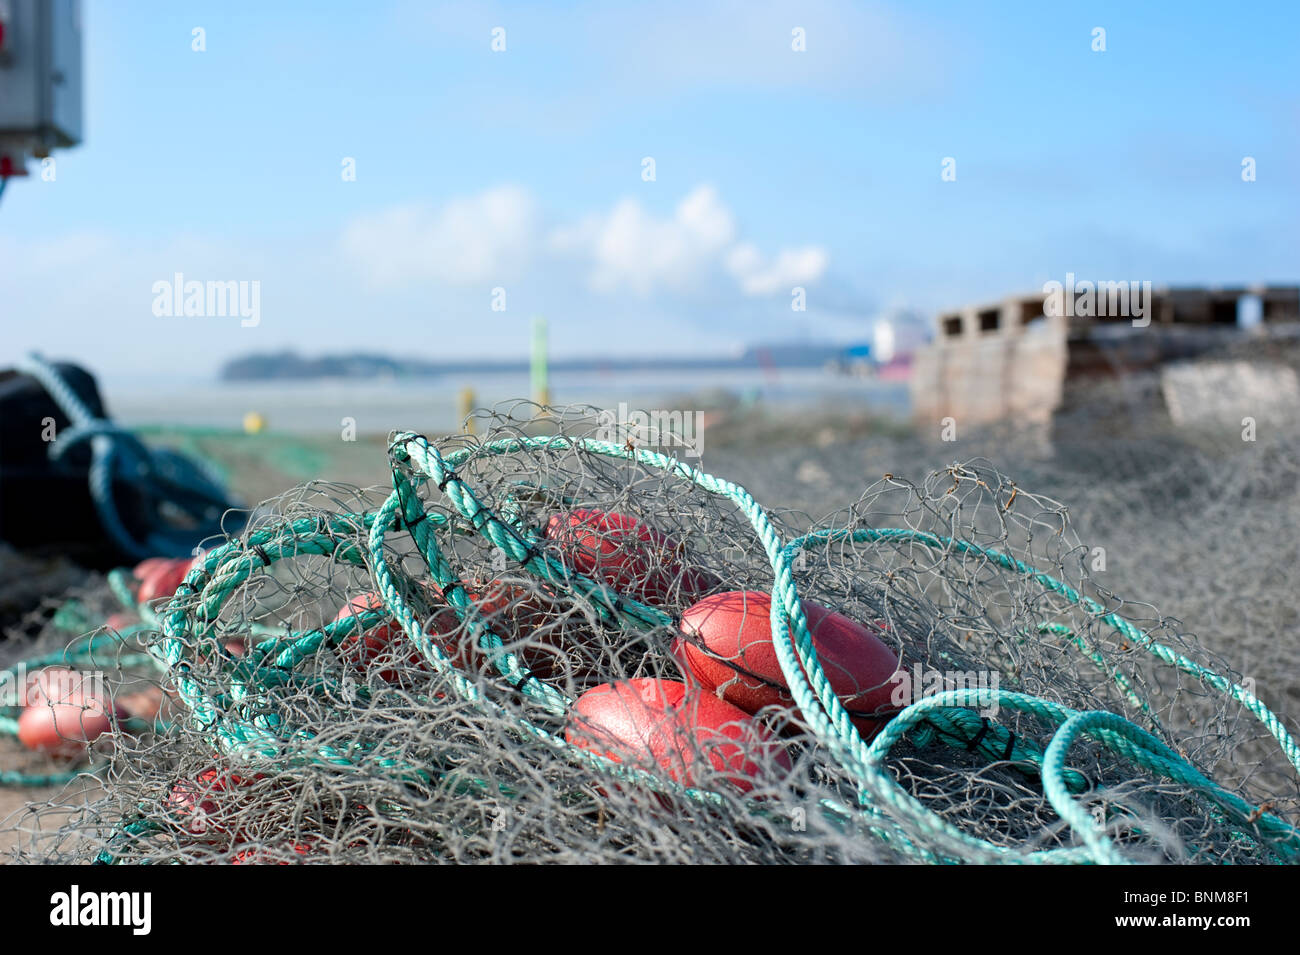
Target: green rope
[(240, 719), (829, 721), (117, 456)]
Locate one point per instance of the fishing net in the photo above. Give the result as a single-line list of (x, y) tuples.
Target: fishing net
[(401, 674)]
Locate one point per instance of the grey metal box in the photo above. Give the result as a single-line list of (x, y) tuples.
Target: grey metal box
[(40, 74)]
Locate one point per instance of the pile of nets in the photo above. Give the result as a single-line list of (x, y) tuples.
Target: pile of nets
[(399, 675)]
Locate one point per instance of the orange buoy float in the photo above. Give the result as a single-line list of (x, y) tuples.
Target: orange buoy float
[(65, 712), (145, 704), (728, 648), (630, 556), (205, 805), (160, 576), (121, 620), (663, 723), (307, 848), (53, 685), (376, 645), (519, 615)]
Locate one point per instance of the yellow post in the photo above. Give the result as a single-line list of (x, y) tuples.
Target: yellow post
[(465, 403)]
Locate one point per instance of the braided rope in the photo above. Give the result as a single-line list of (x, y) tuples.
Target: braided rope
[(117, 455), (830, 722), (240, 720)]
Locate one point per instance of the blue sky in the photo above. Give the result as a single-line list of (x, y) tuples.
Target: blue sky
[(522, 170)]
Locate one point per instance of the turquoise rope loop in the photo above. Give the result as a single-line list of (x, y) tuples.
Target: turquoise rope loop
[(239, 716), (828, 720), (118, 455)]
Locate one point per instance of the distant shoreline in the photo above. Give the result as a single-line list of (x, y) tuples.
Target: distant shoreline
[(287, 366)]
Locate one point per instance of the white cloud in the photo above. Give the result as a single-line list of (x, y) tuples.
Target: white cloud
[(496, 237), (488, 237), (759, 276), (632, 249)]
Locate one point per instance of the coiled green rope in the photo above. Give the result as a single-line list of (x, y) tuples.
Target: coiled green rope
[(118, 455), (826, 715), (240, 721)]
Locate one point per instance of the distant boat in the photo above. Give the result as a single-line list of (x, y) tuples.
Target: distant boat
[(895, 336)]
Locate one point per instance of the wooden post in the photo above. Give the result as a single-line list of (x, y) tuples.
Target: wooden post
[(465, 404)]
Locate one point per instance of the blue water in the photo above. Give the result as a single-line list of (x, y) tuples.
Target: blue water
[(431, 404)]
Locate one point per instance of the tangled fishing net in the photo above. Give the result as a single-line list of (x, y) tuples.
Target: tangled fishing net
[(406, 674)]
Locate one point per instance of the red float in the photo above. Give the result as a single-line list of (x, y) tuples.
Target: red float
[(265, 856), (525, 620), (62, 721), (206, 805), (376, 645), (662, 723), (160, 576), (630, 556), (121, 620), (738, 659)]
